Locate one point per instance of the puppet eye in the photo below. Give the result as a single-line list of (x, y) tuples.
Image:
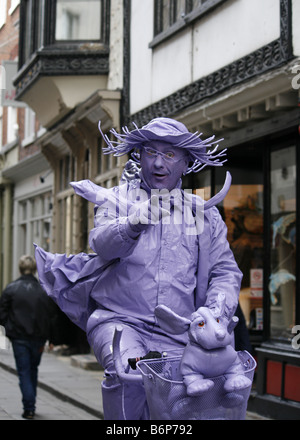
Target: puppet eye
[(217, 320), (201, 324)]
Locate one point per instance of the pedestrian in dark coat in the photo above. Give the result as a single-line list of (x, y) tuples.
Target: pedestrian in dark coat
[(26, 313)]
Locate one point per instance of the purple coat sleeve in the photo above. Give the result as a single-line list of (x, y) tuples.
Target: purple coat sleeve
[(112, 236)]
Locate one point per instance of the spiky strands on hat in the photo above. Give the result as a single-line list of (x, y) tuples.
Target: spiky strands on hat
[(170, 131)]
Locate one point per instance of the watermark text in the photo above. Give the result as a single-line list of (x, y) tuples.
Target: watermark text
[(178, 207), (296, 339), (296, 78)]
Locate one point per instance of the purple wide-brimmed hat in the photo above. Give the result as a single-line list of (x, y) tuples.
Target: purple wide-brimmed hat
[(170, 131)]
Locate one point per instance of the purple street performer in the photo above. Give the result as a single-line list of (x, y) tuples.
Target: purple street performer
[(154, 244)]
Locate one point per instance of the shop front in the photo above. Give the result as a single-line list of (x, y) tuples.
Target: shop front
[(261, 214)]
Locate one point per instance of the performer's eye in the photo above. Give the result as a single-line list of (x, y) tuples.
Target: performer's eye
[(150, 151), (201, 324), (170, 155)]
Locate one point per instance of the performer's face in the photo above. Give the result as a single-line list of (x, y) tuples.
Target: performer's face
[(162, 164)]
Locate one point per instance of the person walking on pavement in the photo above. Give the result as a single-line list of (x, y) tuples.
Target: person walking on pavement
[(25, 313)]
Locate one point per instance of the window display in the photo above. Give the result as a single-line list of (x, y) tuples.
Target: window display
[(265, 252), (243, 212), (282, 282)]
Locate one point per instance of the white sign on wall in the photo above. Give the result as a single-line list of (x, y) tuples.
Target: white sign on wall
[(8, 71)]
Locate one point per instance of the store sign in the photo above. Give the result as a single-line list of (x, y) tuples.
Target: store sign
[(8, 71)]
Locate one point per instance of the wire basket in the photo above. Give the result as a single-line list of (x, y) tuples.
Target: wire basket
[(168, 400)]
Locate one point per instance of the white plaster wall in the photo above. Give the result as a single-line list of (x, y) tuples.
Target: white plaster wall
[(115, 77), (172, 65), (232, 31), (235, 30), (296, 27)]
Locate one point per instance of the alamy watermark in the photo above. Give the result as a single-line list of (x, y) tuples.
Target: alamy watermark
[(178, 207), (296, 339), (296, 78)]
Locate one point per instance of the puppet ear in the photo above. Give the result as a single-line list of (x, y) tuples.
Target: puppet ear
[(170, 322)]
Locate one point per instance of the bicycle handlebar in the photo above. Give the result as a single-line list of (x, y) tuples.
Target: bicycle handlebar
[(137, 378)]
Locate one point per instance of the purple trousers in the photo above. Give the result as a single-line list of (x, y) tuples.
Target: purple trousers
[(121, 400)]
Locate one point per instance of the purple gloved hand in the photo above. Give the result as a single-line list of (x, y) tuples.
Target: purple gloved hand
[(144, 214)]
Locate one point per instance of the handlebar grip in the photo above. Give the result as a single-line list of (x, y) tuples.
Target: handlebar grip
[(137, 378)]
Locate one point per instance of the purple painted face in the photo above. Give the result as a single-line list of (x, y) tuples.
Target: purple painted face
[(162, 164)]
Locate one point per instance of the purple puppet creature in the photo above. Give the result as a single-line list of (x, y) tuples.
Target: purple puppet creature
[(154, 244), (209, 352)]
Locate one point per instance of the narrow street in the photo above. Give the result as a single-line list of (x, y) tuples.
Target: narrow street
[(49, 407)]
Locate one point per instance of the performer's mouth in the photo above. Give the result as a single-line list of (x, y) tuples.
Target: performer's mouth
[(160, 175)]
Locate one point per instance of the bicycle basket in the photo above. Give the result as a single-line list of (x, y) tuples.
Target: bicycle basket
[(168, 400)]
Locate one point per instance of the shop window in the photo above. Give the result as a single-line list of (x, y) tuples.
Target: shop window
[(66, 172), (34, 220), (243, 211), (200, 183), (282, 285), (66, 224), (71, 232)]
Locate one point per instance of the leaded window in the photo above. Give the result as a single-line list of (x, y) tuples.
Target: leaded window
[(173, 15)]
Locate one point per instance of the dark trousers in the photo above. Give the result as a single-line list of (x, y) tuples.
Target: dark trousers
[(28, 356)]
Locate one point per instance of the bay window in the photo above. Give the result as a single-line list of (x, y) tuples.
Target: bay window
[(62, 37), (78, 20)]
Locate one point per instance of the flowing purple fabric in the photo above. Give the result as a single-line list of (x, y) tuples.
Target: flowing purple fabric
[(69, 280)]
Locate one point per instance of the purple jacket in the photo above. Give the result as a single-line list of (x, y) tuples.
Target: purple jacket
[(130, 274)]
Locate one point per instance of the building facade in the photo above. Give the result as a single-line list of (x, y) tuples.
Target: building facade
[(59, 87), (24, 212)]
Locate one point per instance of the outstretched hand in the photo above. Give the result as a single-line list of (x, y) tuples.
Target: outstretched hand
[(147, 213)]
